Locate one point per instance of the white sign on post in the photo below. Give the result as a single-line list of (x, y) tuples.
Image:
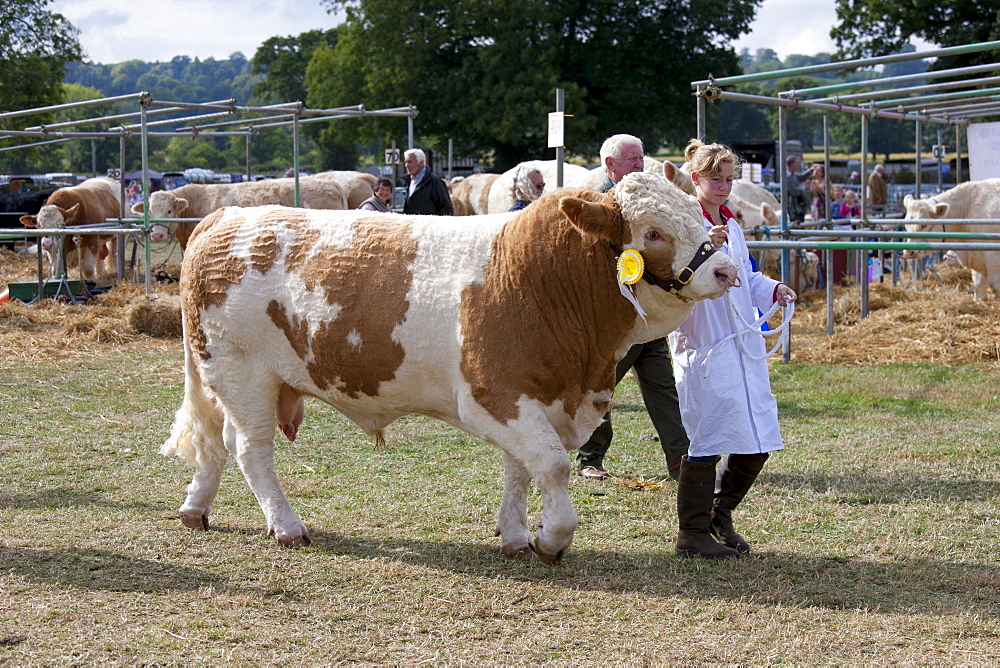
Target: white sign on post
[(557, 121), (392, 156), (115, 173), (984, 151)]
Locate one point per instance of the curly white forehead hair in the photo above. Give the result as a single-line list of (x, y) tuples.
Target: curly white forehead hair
[(642, 194)]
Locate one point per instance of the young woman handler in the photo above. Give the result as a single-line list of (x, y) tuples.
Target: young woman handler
[(726, 403)]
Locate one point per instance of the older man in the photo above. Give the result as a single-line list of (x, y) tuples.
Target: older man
[(426, 193), (621, 155)]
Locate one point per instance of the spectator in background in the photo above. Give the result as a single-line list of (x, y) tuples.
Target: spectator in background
[(426, 192), (878, 194), (817, 191), (380, 200), (621, 155), (850, 208), (837, 193), (528, 186), (798, 198)]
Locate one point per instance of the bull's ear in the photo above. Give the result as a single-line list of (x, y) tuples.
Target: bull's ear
[(907, 200), (598, 219), (669, 170), (180, 207), (137, 208), (29, 221), (69, 215), (940, 210)]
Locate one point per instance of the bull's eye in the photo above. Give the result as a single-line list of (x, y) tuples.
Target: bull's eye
[(651, 235)]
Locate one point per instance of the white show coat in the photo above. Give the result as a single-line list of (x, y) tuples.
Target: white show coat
[(725, 397)]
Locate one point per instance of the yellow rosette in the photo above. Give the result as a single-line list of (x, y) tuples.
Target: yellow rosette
[(630, 267)]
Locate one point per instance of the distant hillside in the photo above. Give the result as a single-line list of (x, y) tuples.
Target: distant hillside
[(182, 79)]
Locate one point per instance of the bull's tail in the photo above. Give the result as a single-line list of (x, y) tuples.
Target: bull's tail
[(196, 435)]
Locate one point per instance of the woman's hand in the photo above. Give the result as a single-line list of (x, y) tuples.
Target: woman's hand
[(784, 294), (718, 235)]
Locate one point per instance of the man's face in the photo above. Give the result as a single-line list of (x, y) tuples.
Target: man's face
[(628, 162), (411, 165)]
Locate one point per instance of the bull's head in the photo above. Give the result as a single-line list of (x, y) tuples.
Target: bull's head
[(162, 205), (667, 229), (921, 209)]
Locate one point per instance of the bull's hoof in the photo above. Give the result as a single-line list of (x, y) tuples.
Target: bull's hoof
[(301, 540), (548, 558), (195, 520), (522, 551)]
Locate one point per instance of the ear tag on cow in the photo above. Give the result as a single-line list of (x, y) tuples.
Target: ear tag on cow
[(630, 267)]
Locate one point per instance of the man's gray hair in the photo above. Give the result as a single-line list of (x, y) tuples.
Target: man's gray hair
[(612, 146), (417, 153)]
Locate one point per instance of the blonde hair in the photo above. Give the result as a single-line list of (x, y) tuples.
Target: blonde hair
[(707, 159)]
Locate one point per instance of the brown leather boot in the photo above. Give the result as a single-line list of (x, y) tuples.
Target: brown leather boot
[(695, 493), (736, 477)]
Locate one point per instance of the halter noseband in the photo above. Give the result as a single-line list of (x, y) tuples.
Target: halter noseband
[(673, 286)]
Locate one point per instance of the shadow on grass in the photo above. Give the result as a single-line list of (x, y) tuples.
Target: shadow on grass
[(862, 489), (100, 570), (64, 497), (917, 585)]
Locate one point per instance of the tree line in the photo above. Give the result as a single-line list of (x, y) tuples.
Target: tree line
[(482, 74)]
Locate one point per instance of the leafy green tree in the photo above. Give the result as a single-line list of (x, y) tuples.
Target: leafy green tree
[(880, 27), (484, 73), (35, 46)]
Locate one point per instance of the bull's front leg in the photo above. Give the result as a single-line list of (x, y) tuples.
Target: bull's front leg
[(543, 457), (512, 518), (201, 493), (253, 446)]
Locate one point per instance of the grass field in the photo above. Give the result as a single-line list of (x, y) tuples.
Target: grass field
[(876, 534)]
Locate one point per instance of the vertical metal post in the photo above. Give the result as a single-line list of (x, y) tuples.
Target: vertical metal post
[(144, 141), (920, 164), (93, 161), (121, 240), (862, 255), (409, 129), (785, 254), (451, 147), (295, 154), (249, 176), (958, 154), (702, 112), (940, 163), (560, 150), (827, 253)]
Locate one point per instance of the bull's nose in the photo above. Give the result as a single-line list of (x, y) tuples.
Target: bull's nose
[(726, 275)]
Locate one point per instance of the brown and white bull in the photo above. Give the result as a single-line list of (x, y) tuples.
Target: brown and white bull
[(197, 200), (974, 199), (89, 203), (507, 326)]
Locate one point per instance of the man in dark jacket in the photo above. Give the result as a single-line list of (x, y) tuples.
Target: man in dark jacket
[(426, 193)]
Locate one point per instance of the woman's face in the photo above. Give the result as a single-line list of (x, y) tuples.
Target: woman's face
[(714, 190)]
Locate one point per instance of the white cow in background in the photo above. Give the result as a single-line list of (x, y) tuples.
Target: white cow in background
[(502, 190), (975, 199)]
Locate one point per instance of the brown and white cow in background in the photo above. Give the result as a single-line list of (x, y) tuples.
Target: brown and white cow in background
[(197, 200), (507, 326), (88, 203), (470, 195), (974, 199)]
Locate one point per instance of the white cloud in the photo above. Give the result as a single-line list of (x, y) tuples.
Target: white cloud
[(112, 31)]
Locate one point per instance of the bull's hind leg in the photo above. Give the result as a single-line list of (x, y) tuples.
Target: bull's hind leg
[(252, 443), (512, 519), (201, 493)]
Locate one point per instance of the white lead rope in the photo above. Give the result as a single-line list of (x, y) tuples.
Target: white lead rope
[(755, 328)]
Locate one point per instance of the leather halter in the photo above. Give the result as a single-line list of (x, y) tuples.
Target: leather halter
[(673, 286)]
